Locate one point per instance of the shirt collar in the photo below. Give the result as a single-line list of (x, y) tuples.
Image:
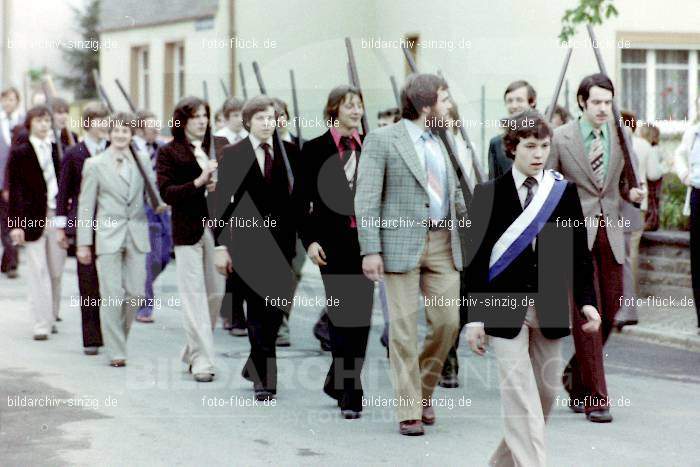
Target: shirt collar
[(336, 137), (256, 142), (520, 177), (587, 129), (414, 131), (39, 142)]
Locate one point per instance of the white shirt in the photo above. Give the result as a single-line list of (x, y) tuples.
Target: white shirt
[(519, 179), (260, 152), (230, 135), (43, 150), (7, 122)]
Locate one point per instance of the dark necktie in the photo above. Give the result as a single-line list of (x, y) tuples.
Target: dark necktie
[(345, 148), (529, 183), (267, 172)]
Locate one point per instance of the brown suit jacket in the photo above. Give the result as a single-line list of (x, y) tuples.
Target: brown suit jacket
[(568, 156)]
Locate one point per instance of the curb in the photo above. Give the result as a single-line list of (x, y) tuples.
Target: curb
[(680, 339)]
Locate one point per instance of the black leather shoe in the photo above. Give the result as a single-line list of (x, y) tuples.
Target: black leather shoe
[(449, 381), (599, 416), (263, 395), (576, 406), (350, 414)]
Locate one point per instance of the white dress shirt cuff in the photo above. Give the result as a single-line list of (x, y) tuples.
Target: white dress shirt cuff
[(60, 222), (474, 324)]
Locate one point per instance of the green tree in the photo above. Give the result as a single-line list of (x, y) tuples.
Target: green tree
[(587, 11), (84, 59)]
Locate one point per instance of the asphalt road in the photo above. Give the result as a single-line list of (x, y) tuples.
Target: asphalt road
[(153, 413)]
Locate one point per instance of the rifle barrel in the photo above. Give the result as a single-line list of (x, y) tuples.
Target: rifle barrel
[(356, 81), (295, 106), (557, 89)]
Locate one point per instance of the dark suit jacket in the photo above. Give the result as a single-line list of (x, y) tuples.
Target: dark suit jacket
[(177, 168), (69, 184), (324, 186), (243, 192), (27, 188), (499, 163), (560, 263)]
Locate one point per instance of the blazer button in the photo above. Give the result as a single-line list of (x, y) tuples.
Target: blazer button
[(427, 205)]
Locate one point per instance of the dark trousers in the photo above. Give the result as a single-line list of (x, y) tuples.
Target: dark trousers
[(89, 288), (264, 321), (348, 323), (232, 305), (695, 247), (584, 375), (10, 258)]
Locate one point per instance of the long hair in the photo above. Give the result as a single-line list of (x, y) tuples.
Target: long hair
[(186, 109)]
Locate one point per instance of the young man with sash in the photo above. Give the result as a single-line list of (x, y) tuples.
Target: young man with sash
[(527, 251)]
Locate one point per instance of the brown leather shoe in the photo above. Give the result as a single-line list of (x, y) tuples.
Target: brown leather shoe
[(428, 416), (411, 428), (117, 363)]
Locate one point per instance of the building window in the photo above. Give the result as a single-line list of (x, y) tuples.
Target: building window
[(140, 77), (657, 83), (179, 71), (174, 76), (634, 81)]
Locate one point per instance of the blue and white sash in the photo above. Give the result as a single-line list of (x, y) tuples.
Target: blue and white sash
[(520, 234)]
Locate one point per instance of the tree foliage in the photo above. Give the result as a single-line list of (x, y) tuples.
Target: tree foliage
[(587, 11), (84, 59)]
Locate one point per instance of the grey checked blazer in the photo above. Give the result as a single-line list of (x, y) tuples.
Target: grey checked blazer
[(568, 157), (116, 207), (392, 187)]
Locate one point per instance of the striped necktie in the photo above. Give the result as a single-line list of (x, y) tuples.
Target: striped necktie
[(595, 156)]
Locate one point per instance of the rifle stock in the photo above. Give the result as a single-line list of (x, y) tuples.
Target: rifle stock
[(295, 106), (243, 88), (355, 79), (557, 89)]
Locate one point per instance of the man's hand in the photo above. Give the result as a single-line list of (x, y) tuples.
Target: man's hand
[(17, 236), (62, 239), (476, 337), (593, 318), (222, 261), (317, 255), (162, 208), (84, 255), (373, 267), (205, 177), (5, 195), (637, 195)]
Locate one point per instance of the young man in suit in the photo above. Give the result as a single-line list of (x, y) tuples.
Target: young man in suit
[(147, 140), (587, 152), (329, 232), (112, 219), (186, 179), (527, 250), (10, 117), (519, 96), (61, 115), (32, 177), (234, 131), (408, 203), (232, 313), (256, 228), (70, 180)]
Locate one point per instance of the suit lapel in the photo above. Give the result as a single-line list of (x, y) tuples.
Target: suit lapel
[(579, 156), (407, 151), (615, 156)]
